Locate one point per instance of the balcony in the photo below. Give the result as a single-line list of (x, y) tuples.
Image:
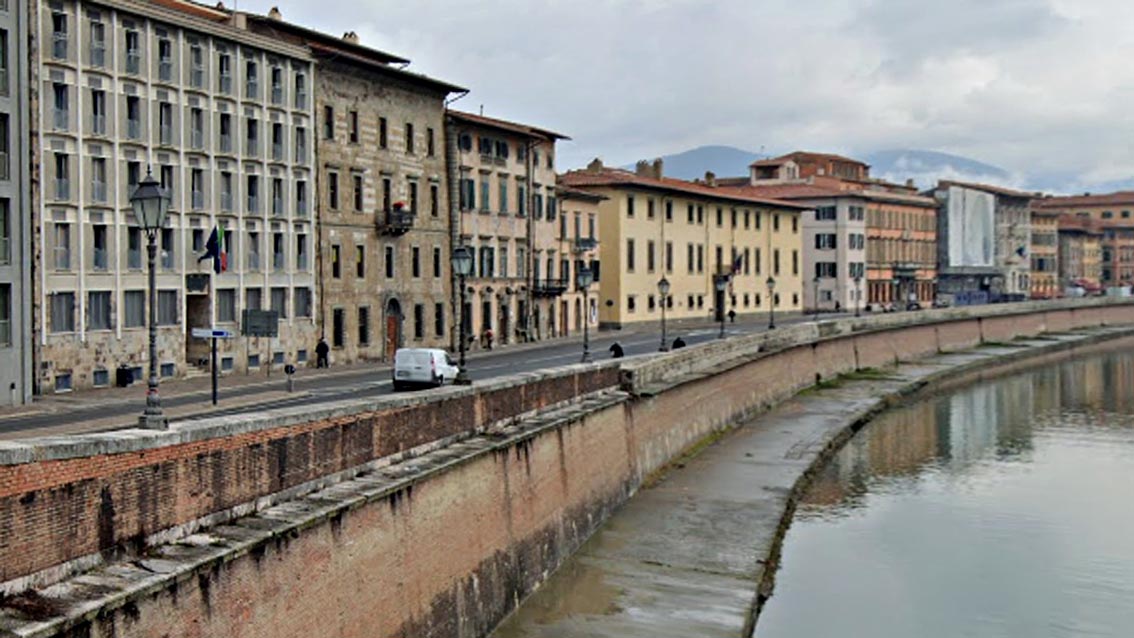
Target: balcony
[(549, 287), (585, 244), (395, 222)]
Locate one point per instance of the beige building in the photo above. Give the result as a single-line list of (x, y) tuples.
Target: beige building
[(1114, 212), (223, 117), (689, 232), (1045, 253), (509, 216), (383, 206), (1080, 253)]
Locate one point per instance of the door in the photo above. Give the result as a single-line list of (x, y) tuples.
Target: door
[(393, 333), (197, 351)]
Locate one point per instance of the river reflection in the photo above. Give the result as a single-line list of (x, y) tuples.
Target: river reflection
[(1004, 509)]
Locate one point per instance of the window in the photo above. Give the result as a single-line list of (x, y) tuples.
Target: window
[(277, 141), (650, 266), (669, 257), (59, 35), (382, 135), (165, 123), (253, 194), (98, 112), (415, 261), (252, 254), (98, 180), (277, 85), (226, 191), (439, 320), (429, 144), (352, 123), (62, 246), (279, 252), (363, 326), (226, 305), (413, 200), (826, 241), (61, 112), (197, 128), (302, 302), (196, 67), (487, 261), (776, 261), (649, 208), (5, 231), (251, 80), (357, 179), (700, 258), (133, 51), (387, 194), (629, 255), (252, 136), (301, 198), (336, 261), (300, 145), (484, 190), (300, 91), (279, 301), (338, 330), (166, 248), (389, 254), (252, 299), (277, 196), (409, 138), (434, 204), (419, 321), (328, 122), (63, 312), (333, 190), (98, 310), (826, 269), (301, 251), (225, 132), (99, 253), (98, 43), (631, 303), (360, 261), (165, 60), (503, 194), (5, 314), (134, 248)]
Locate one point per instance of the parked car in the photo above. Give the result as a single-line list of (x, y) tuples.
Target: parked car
[(423, 367)]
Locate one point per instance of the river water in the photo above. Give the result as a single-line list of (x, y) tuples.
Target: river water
[(1005, 509)]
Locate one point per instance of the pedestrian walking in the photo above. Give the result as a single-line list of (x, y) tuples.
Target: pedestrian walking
[(678, 343), (322, 350), (616, 350)]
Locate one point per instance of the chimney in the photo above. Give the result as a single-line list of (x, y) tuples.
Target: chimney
[(351, 37), (240, 20), (595, 166), (710, 179), (274, 14), (909, 182), (658, 168), (642, 169)]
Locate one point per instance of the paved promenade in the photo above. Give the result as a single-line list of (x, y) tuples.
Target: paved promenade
[(687, 556)]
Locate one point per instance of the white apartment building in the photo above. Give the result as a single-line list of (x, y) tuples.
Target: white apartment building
[(223, 118)]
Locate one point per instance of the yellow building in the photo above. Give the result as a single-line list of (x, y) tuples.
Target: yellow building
[(1045, 253), (690, 233), (577, 236)]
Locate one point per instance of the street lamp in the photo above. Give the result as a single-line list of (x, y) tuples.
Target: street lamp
[(857, 294), (897, 293), (663, 290), (815, 284), (462, 259), (151, 203), (583, 279), (720, 282), (771, 283)]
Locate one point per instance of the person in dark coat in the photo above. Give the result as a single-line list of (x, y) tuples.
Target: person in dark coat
[(678, 343), (615, 351), (321, 352)]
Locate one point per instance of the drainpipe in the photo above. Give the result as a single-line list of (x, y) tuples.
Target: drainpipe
[(453, 176)]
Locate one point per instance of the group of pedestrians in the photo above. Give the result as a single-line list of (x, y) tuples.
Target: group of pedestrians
[(616, 351)]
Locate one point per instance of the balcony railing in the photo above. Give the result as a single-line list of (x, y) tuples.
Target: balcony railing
[(301, 100), (301, 207), (165, 135), (549, 287), (395, 222), (277, 152), (98, 124), (63, 189), (277, 95), (585, 244), (197, 77), (133, 129), (98, 192), (226, 202), (98, 55), (59, 46), (277, 206), (198, 200), (61, 117), (226, 84), (226, 143), (165, 70), (133, 62), (278, 262)]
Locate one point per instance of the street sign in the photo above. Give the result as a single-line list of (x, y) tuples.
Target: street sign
[(261, 323), (211, 333)]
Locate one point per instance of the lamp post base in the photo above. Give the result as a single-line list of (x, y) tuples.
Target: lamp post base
[(586, 357), (153, 422), (663, 349), (462, 379)]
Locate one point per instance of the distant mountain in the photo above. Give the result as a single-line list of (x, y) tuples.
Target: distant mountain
[(724, 161), (926, 167)]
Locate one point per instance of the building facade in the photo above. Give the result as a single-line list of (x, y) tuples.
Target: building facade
[(1080, 254), (1114, 213), (510, 218), (578, 239), (223, 118), (16, 372), (690, 233), (1045, 254), (383, 205)]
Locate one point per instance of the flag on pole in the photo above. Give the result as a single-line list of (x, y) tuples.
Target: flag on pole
[(216, 249)]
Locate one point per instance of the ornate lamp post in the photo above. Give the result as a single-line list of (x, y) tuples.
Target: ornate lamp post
[(720, 282), (583, 280), (462, 259), (857, 295), (771, 283), (815, 285), (663, 291), (151, 203)]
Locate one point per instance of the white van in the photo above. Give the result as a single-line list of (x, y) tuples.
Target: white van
[(429, 367)]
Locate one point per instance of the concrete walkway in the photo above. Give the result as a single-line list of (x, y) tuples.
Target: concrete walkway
[(687, 556)]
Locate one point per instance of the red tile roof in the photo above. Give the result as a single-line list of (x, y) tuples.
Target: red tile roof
[(776, 161), (619, 177), (513, 127), (1106, 199), (812, 191)]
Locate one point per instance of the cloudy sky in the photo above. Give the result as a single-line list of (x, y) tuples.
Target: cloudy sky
[(1038, 87)]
